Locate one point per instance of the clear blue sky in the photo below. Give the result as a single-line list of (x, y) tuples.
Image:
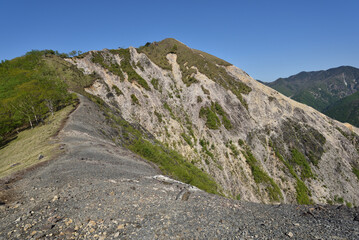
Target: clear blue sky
[(268, 39)]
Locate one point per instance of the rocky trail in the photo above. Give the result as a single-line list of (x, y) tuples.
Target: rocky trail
[(97, 190)]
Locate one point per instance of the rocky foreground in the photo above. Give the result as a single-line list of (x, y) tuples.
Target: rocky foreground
[(97, 190)]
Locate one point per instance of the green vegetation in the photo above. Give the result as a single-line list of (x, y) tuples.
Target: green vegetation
[(173, 164), (324, 91), (261, 176), (188, 58), (108, 62), (24, 151), (234, 149), (356, 172), (117, 90), (205, 90), (305, 138), (238, 197), (32, 87), (159, 116), (168, 108), (134, 99), (338, 199), (111, 65), (187, 139), (303, 192), (204, 145), (212, 120), (345, 110), (169, 161), (154, 83), (299, 159)]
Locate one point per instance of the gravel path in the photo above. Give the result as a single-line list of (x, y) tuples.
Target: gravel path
[(97, 190)]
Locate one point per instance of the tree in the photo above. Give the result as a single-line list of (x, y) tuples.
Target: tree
[(73, 53)]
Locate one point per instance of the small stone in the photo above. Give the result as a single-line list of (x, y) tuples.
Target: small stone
[(296, 224), (290, 234), (18, 220), (91, 230), (116, 234), (356, 218), (41, 157), (121, 226), (33, 233), (26, 227), (92, 223), (68, 222), (55, 198)]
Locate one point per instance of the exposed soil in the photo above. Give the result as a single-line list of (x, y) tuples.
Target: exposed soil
[(97, 190)]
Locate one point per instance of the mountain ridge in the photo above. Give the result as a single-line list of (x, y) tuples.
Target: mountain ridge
[(319, 89), (226, 123)]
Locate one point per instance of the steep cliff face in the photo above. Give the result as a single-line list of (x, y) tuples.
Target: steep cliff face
[(257, 144)]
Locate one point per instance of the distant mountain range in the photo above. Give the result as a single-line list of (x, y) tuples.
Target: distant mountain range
[(333, 92)]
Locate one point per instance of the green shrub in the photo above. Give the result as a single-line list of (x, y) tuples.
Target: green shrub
[(338, 199), (173, 164), (154, 83), (159, 116), (207, 64), (134, 99), (356, 172), (299, 159), (187, 139), (212, 120), (261, 176), (238, 197), (302, 193), (117, 90), (166, 106)]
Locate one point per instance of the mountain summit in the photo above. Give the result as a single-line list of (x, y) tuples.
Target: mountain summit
[(255, 143)]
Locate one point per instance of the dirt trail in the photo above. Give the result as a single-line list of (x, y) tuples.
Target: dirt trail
[(97, 190)]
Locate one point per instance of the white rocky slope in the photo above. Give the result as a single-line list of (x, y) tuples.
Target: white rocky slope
[(275, 129)]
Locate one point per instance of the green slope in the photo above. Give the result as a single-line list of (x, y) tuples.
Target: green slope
[(319, 89), (34, 86), (345, 110)]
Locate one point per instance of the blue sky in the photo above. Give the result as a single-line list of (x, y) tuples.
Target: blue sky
[(267, 39)]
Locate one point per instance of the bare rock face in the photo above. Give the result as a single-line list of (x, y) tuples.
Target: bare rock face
[(256, 143)]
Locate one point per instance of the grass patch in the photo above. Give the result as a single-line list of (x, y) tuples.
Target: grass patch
[(260, 176), (134, 99), (299, 159), (117, 90), (154, 83), (204, 145), (24, 151), (207, 64), (159, 116), (187, 139), (166, 106), (169, 161), (212, 119), (356, 172), (303, 193)]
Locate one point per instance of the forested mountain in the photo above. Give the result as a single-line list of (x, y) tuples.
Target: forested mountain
[(319, 89), (322, 89), (345, 109)]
